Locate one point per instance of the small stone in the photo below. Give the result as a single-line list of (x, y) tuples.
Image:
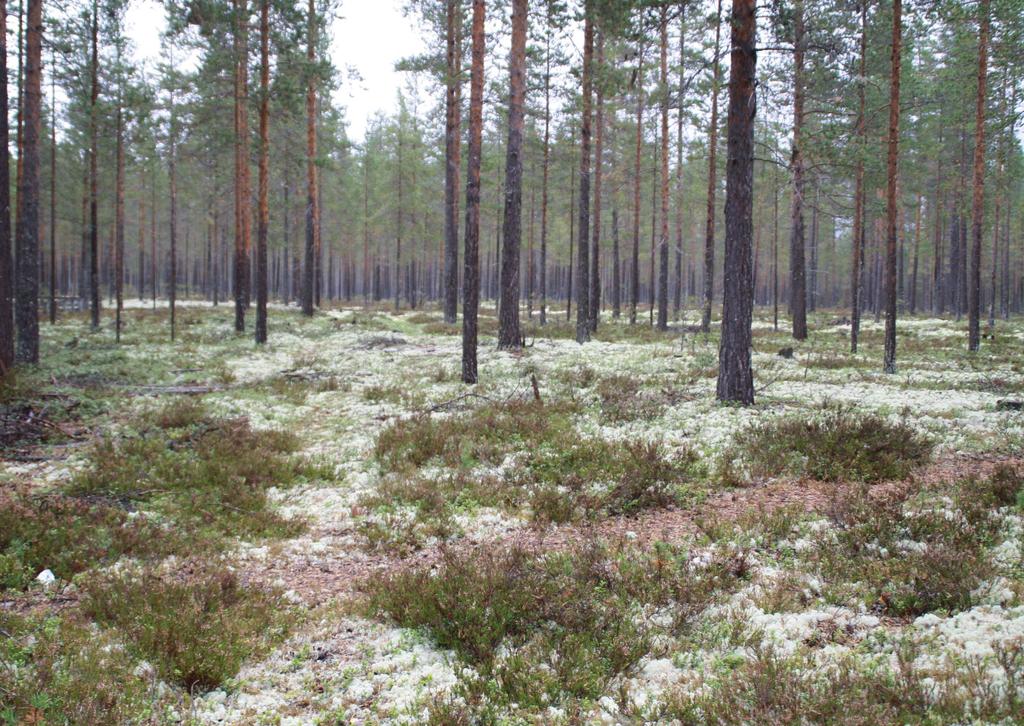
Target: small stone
[(46, 578), (1007, 404)]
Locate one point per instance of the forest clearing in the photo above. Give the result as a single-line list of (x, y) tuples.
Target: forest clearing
[(478, 362), (587, 536)]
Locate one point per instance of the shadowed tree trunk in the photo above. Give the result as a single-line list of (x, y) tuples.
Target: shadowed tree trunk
[(471, 272), (797, 264), (512, 229), (94, 230), (857, 264), (583, 258), (6, 261), (978, 202), (53, 193), (634, 267), (452, 155), (677, 299), (709, 223), (892, 172), (26, 291), (119, 226), (735, 376), (241, 261), (172, 267), (312, 199), (545, 169), (595, 250), (663, 238), (263, 207)]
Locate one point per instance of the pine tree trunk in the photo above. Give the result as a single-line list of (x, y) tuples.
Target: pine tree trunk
[(978, 205), (583, 257), (545, 170), (263, 223), (634, 268), (119, 226), (26, 283), (735, 376), (452, 155), (709, 222), (6, 260), (53, 195), (678, 287), (94, 230), (797, 265), (857, 263), (172, 267), (892, 174), (663, 239), (595, 248), (309, 276), (471, 273), (509, 336)]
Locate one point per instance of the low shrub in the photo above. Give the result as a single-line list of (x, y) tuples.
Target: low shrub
[(541, 628), (195, 626), (907, 553), (211, 475), (68, 535), (60, 671), (837, 443)]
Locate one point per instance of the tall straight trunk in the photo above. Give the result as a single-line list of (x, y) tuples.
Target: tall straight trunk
[(663, 239), (119, 226), (583, 257), (263, 223), (634, 268), (152, 236), (678, 287), (53, 193), (735, 376), (142, 239), (572, 228), (595, 248), (938, 288), (616, 266), (812, 287), (452, 155), (312, 199), (797, 265), (892, 173), (398, 223), (978, 202), (26, 283), (172, 266), (6, 261), (857, 263), (241, 261), (94, 230), (917, 252), (471, 273), (512, 228), (775, 248), (545, 169), (709, 222)]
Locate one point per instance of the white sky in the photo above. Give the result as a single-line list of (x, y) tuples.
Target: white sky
[(369, 36)]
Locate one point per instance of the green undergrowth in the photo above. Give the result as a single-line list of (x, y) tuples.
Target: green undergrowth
[(543, 628), (795, 690), (835, 443), (553, 475), (207, 474), (68, 535), (63, 670), (914, 550), (195, 626)]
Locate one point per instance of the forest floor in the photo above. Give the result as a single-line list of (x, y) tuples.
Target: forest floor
[(333, 529)]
